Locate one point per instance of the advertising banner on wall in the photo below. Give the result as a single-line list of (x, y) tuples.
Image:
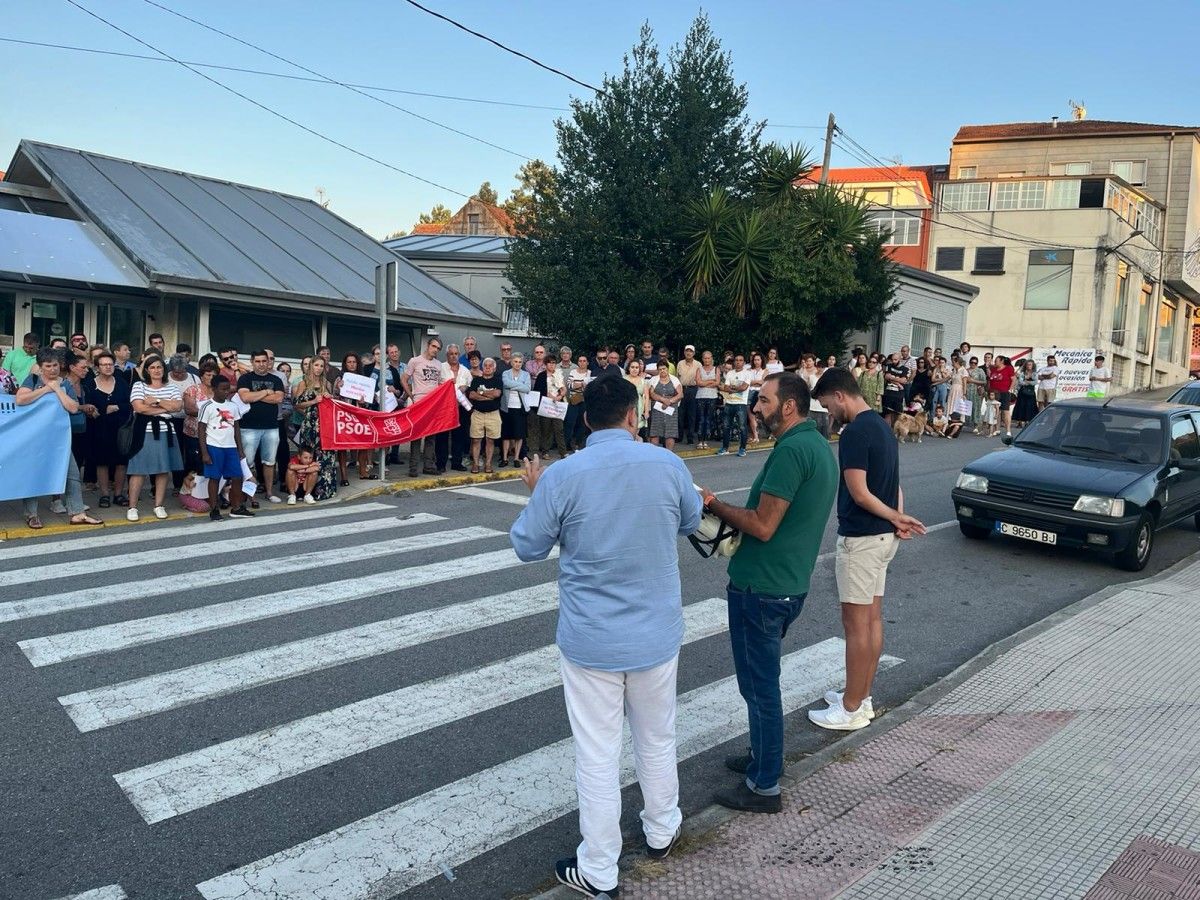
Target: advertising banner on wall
[(1074, 367)]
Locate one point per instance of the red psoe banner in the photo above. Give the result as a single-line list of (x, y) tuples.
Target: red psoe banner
[(346, 427)]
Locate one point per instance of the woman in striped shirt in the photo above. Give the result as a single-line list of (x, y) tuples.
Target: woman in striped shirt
[(155, 451)]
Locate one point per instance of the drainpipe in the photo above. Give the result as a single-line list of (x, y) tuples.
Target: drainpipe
[(1162, 261)]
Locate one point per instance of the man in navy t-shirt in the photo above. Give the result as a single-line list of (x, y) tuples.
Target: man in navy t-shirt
[(871, 519)]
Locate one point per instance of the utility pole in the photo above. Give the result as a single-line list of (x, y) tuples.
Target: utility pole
[(385, 302), (829, 130)]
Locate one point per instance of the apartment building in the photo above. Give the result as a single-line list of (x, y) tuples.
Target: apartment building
[(1080, 233)]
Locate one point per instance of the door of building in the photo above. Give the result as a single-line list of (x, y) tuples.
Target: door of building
[(118, 322), (50, 319)]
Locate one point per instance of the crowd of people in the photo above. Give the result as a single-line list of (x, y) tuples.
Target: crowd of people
[(156, 420)]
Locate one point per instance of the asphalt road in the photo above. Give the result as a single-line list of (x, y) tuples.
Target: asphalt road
[(163, 751)]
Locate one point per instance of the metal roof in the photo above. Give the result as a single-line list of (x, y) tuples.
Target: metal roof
[(51, 250), (451, 245), (216, 235)]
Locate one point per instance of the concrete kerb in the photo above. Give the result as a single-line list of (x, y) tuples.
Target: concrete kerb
[(696, 828)]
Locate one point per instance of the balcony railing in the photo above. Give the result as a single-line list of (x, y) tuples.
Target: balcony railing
[(1087, 192)]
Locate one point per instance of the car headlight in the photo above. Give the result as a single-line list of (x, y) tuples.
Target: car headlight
[(1100, 506), (969, 482)]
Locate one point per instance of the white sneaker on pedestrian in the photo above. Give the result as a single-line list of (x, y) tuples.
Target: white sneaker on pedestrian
[(832, 697), (57, 506), (274, 499), (309, 498), (160, 512), (291, 500), (836, 718), (132, 514)]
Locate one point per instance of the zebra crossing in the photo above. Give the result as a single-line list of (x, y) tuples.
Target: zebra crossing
[(134, 660)]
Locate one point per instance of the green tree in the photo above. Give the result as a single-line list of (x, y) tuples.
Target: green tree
[(604, 263), (399, 233), (440, 214), (537, 184), (487, 194)]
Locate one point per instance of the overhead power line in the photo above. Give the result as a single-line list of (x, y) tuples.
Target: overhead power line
[(331, 140), (321, 75), (506, 48), (366, 87)]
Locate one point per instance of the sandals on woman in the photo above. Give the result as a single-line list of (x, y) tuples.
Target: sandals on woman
[(84, 519), (33, 522)]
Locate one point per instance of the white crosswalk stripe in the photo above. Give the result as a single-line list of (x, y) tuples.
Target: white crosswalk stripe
[(113, 704), (491, 494), (123, 538), (405, 845), (111, 892), (184, 783), (206, 577), (159, 555)]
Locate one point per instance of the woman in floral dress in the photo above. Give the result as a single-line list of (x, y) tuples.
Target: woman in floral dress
[(308, 437)]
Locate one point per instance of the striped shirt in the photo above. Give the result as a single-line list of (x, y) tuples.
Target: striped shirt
[(143, 391)]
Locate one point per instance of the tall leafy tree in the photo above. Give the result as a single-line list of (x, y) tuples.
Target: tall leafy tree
[(604, 263), (440, 214), (537, 184), (487, 194)]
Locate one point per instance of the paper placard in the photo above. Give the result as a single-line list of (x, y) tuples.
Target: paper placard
[(390, 402), (651, 368), (462, 400), (963, 408), (532, 400), (357, 387), (552, 409), (665, 410)]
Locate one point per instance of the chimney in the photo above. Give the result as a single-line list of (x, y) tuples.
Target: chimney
[(1054, 121)]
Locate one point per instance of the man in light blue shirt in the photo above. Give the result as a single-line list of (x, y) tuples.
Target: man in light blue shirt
[(620, 622)]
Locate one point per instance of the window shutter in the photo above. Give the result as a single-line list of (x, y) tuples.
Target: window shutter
[(950, 259), (989, 261)]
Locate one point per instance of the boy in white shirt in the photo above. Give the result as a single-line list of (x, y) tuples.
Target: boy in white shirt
[(1099, 379), (1047, 382), (221, 449)]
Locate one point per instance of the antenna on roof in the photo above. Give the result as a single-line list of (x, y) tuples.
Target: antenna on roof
[(1078, 110)]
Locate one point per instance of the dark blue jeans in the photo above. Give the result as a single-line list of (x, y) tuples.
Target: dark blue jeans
[(706, 415), (733, 413), (757, 625)]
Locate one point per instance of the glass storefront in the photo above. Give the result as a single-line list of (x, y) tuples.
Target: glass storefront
[(52, 319), (290, 336)]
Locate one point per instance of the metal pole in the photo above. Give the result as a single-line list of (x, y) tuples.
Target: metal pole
[(829, 129), (1157, 295), (380, 371)]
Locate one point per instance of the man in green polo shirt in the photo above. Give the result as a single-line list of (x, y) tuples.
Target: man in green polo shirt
[(20, 360), (782, 526)]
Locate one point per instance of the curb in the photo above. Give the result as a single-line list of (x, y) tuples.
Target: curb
[(713, 816)]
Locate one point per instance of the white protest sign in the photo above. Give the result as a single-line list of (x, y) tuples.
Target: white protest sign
[(357, 387), (1074, 368), (552, 409)]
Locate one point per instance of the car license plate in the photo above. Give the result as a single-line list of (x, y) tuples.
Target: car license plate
[(1029, 534)]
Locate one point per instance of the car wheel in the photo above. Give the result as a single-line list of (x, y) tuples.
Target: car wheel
[(1135, 556), (974, 532)]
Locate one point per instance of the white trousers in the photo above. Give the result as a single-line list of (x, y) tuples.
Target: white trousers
[(597, 702)]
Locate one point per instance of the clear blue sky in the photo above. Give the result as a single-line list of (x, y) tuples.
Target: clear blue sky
[(900, 78)]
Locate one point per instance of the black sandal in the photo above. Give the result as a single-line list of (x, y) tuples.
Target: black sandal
[(105, 502)]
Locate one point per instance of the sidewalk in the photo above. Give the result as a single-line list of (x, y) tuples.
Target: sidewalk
[(1060, 763)]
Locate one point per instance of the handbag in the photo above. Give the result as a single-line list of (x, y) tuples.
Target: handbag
[(125, 435)]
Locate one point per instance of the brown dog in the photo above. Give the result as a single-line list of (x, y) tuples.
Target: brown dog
[(907, 425)]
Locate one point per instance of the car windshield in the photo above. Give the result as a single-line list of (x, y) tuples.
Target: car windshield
[(1095, 432), (1189, 393)]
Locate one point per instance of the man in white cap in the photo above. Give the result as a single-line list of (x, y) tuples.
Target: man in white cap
[(686, 370)]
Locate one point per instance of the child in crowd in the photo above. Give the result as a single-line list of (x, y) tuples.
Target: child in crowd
[(302, 472), (221, 449), (193, 495), (939, 422), (916, 405), (990, 420), (955, 425)]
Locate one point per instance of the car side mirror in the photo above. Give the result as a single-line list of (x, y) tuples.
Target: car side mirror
[(1007, 440), (1187, 465)]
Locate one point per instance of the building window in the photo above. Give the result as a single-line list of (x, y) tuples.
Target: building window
[(1143, 324), (1130, 170), (989, 261), (968, 171), (516, 320), (1021, 195), (1071, 168), (966, 197), (904, 228), (8, 319), (1048, 281), (926, 334), (1121, 310), (1168, 313), (472, 223), (290, 336), (1064, 194), (882, 196), (950, 259)]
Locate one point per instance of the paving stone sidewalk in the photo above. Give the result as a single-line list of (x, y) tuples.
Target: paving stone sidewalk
[(1067, 766)]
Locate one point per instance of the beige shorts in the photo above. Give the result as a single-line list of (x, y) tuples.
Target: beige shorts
[(485, 424), (862, 564), (1046, 396)]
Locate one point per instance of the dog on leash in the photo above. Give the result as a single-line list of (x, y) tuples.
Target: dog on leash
[(907, 425)]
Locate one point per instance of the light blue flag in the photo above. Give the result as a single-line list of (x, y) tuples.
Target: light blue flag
[(34, 443)]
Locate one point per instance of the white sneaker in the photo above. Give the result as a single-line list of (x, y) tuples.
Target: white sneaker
[(291, 500), (132, 515), (832, 697), (309, 498), (836, 718), (274, 499), (57, 506), (160, 512)]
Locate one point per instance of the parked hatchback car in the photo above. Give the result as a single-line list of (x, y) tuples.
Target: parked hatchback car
[(1099, 474), (1188, 394)]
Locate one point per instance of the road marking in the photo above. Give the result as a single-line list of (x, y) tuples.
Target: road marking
[(126, 537), (110, 705), (490, 494), (407, 844), (69, 645), (227, 548), (112, 892), (194, 780), (206, 577)]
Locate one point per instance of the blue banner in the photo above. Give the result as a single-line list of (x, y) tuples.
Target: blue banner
[(34, 443)]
